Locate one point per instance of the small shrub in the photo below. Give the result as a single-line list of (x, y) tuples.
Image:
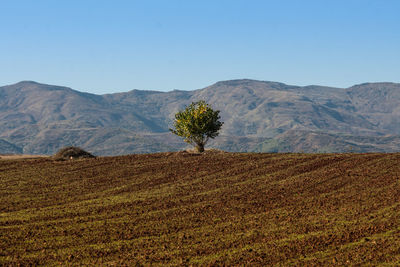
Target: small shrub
[(69, 153)]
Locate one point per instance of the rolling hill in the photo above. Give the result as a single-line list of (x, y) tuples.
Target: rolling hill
[(212, 209), (258, 115)]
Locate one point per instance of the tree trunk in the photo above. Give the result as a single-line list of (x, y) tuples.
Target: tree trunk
[(199, 148)]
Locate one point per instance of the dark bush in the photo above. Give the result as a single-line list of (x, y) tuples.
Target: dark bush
[(72, 152)]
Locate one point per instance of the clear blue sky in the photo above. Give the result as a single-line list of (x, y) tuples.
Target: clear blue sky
[(109, 46)]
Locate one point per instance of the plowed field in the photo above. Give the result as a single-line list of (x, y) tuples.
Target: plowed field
[(211, 209)]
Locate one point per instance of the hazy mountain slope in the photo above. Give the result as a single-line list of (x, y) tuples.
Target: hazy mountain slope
[(264, 109), (157, 107), (379, 103), (102, 141), (53, 106), (313, 141), (8, 148), (42, 118), (257, 115)]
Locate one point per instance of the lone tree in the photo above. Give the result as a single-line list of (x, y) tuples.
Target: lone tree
[(197, 123)]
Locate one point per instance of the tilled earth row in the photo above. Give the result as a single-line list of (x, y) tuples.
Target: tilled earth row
[(211, 209)]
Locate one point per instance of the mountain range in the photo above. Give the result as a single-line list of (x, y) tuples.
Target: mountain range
[(258, 116)]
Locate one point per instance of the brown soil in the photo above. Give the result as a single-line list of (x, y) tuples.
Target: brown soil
[(208, 209)]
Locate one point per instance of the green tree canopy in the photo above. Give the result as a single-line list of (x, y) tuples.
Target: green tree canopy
[(197, 123)]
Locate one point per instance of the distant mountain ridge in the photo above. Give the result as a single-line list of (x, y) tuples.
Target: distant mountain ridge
[(258, 116)]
